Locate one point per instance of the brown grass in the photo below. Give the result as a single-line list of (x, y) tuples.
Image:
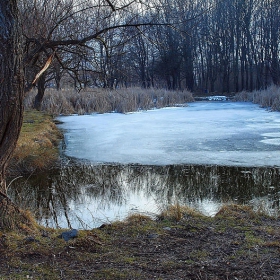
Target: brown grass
[(137, 219), (69, 101), (177, 212), (37, 147), (237, 211), (269, 98)]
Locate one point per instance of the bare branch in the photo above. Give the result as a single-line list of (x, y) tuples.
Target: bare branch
[(111, 5), (97, 34), (47, 65)]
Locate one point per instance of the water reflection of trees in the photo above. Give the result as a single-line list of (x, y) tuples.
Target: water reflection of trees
[(51, 194)]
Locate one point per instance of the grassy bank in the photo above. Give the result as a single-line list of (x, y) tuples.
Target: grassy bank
[(269, 98), (37, 147), (69, 101), (181, 244)]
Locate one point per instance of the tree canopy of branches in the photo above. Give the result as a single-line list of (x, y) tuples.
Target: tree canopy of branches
[(86, 38), (204, 46)]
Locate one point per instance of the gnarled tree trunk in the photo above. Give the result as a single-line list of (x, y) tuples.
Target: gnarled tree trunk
[(11, 103), (41, 91)]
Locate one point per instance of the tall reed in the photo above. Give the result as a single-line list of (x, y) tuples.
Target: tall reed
[(69, 101), (268, 98)]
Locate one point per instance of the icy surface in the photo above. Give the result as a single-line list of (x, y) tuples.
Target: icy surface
[(223, 133)]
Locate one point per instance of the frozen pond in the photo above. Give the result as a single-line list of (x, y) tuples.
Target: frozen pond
[(223, 133), (203, 156)]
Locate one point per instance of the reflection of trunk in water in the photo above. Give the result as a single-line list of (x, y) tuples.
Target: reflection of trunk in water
[(51, 195)]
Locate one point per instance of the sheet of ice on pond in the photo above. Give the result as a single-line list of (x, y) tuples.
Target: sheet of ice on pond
[(223, 133)]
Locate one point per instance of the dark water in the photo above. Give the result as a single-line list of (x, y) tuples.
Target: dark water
[(85, 196)]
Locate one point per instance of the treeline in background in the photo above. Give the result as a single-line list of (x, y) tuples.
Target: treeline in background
[(201, 46)]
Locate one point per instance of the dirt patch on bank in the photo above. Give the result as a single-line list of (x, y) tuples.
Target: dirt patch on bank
[(236, 244)]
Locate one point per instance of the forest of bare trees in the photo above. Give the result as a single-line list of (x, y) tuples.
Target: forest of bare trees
[(203, 46), (217, 46)]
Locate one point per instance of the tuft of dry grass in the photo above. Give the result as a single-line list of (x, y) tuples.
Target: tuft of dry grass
[(137, 219), (237, 211), (69, 101), (177, 212)]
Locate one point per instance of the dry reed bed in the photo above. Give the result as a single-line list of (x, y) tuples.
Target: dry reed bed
[(269, 98), (69, 101)]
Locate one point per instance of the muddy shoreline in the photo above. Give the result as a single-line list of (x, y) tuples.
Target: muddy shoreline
[(235, 244)]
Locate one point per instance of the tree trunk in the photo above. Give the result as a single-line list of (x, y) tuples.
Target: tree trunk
[(41, 91), (11, 103)]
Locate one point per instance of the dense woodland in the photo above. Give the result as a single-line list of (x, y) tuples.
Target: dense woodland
[(203, 46)]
